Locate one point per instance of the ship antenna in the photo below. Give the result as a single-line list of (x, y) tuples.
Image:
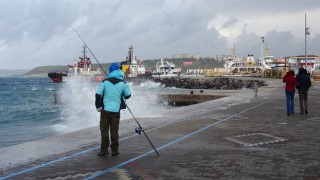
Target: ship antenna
[(89, 50), (267, 50), (138, 129)]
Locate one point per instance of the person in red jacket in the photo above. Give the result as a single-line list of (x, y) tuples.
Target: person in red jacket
[(291, 84)]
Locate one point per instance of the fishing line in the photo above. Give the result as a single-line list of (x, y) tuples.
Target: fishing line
[(89, 49), (138, 129)]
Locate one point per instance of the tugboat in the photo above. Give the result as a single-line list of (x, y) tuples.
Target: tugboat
[(134, 70), (133, 67), (82, 67)]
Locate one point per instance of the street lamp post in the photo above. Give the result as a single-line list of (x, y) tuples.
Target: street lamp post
[(262, 41), (306, 32)]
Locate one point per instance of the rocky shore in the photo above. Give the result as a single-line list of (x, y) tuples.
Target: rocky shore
[(221, 83)]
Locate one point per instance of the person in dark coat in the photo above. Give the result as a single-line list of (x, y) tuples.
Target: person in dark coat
[(291, 83), (304, 83)]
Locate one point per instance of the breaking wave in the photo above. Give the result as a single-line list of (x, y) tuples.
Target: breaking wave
[(77, 96)]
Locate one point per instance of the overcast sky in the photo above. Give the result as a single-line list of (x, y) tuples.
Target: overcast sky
[(38, 32)]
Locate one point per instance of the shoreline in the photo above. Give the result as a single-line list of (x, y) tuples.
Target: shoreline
[(21, 154)]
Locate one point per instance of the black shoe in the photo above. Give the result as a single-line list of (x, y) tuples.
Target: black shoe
[(115, 153), (301, 113), (288, 114), (103, 153), (306, 111)]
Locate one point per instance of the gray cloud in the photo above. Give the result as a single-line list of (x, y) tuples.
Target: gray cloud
[(37, 32), (262, 6), (230, 22)]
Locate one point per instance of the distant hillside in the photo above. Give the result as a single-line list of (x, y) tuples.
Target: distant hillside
[(149, 64), (5, 72), (44, 70)]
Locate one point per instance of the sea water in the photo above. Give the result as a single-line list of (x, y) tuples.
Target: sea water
[(28, 110)]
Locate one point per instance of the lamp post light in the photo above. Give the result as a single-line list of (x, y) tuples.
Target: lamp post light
[(262, 41), (306, 32)]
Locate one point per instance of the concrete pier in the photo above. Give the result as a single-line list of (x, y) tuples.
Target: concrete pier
[(187, 99)]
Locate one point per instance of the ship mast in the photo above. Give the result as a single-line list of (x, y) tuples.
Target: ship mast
[(85, 59), (130, 54)]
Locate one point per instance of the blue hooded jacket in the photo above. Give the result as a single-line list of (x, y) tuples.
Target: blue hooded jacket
[(112, 90)]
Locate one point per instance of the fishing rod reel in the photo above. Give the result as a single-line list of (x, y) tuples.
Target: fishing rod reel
[(138, 130)]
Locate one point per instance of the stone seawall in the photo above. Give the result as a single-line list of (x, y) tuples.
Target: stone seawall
[(223, 83)]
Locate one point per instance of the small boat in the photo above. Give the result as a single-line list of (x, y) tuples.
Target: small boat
[(165, 69), (56, 77)]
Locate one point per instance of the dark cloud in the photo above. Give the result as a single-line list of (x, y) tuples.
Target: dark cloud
[(284, 44), (37, 32)]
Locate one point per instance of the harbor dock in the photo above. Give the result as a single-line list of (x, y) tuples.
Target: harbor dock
[(237, 136)]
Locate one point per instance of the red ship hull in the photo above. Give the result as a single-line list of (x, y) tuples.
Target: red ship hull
[(56, 80)]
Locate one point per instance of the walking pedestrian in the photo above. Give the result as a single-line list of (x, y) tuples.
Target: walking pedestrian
[(291, 83), (109, 101), (304, 83)]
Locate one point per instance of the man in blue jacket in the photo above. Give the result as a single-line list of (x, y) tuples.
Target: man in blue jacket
[(110, 97)]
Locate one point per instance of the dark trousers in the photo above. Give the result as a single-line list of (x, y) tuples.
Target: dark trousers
[(109, 121), (303, 99)]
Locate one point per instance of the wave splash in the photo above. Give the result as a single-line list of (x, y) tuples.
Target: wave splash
[(78, 111)]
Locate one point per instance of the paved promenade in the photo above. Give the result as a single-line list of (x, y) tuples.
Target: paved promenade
[(236, 137)]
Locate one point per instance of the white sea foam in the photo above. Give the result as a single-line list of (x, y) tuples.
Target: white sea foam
[(49, 89), (77, 98), (143, 102)]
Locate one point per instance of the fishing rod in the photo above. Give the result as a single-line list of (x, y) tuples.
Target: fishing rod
[(89, 49), (138, 129)]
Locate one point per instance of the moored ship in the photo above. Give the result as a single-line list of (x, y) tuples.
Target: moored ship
[(133, 68), (165, 69), (83, 67)]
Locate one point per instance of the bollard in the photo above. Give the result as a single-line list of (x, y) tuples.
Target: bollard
[(255, 89)]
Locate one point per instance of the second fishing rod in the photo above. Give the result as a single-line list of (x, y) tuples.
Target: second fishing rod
[(139, 129)]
